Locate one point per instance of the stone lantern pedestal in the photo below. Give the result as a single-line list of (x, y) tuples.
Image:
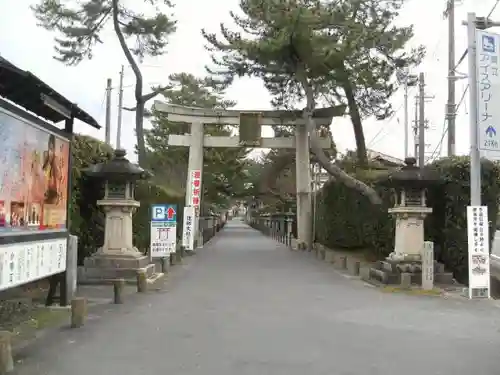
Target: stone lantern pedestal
[(118, 257), (410, 185)]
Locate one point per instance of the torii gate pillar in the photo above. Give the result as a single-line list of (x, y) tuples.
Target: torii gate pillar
[(303, 185)]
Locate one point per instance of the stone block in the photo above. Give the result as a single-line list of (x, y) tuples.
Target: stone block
[(354, 267), (88, 275), (445, 278), (379, 275), (341, 261), (118, 287), (364, 273), (329, 256), (438, 268), (6, 360), (78, 312), (406, 280), (142, 281)]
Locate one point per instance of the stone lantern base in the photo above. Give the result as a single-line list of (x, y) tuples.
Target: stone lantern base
[(389, 271), (409, 242)]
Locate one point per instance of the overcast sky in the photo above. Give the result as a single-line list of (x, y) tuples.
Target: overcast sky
[(31, 48)]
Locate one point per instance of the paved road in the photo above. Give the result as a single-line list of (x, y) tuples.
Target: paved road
[(246, 305)]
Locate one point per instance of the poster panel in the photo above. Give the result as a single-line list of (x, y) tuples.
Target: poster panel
[(33, 177)]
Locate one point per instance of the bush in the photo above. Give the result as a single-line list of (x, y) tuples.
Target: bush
[(86, 219), (447, 226), (347, 220)]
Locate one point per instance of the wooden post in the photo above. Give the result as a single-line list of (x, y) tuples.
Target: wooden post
[(6, 361), (142, 281), (118, 286), (78, 312)]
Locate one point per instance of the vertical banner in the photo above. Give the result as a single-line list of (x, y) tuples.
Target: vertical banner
[(188, 228), (195, 190), (163, 230), (479, 252)]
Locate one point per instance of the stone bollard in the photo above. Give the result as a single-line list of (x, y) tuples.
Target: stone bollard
[(142, 281), (172, 259), (355, 267), (342, 262), (164, 265), (329, 255), (78, 312), (118, 286), (6, 361), (405, 280)]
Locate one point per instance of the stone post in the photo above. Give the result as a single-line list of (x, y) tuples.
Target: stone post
[(303, 178)]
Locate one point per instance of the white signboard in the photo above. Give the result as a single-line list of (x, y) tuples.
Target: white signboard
[(479, 253), (488, 90), (21, 263), (428, 265), (188, 229), (163, 238)]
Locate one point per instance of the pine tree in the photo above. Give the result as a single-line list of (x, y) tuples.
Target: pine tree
[(80, 26), (344, 50)]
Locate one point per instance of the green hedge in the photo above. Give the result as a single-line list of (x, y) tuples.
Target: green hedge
[(345, 218), (447, 226)]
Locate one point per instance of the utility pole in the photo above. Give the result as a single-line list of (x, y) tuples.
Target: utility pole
[(421, 121), (451, 106), (406, 119), (108, 112), (120, 110), (415, 130)]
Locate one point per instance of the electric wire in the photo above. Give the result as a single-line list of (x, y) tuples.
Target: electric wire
[(464, 55), (439, 146)]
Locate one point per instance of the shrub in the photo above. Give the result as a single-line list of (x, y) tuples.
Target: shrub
[(447, 226), (86, 219), (345, 218)]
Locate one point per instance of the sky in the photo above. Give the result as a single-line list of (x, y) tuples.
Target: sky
[(31, 48)]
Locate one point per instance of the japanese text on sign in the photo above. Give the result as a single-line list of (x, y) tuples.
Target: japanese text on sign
[(478, 241), (188, 230), (488, 84), (195, 188)]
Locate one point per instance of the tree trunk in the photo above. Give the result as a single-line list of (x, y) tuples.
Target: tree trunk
[(357, 125), (139, 112), (323, 160)]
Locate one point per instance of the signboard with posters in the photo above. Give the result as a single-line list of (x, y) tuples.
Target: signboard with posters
[(34, 166), (163, 230), (479, 252), (195, 190), (188, 228), (33, 177)]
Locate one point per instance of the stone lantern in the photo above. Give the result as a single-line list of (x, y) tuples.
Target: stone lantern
[(410, 185), (118, 257)]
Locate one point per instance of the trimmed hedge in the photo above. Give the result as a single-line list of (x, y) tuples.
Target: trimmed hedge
[(347, 220)]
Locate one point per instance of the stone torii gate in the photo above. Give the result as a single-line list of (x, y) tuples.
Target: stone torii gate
[(250, 124)]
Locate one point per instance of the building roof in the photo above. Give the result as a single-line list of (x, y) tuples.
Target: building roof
[(28, 91)]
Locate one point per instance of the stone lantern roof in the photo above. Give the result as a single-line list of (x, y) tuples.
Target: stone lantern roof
[(411, 177), (118, 169)]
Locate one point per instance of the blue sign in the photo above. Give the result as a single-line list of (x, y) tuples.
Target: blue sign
[(164, 212), (491, 131), (488, 43)]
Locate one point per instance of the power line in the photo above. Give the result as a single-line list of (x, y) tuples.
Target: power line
[(439, 146), (464, 55)]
